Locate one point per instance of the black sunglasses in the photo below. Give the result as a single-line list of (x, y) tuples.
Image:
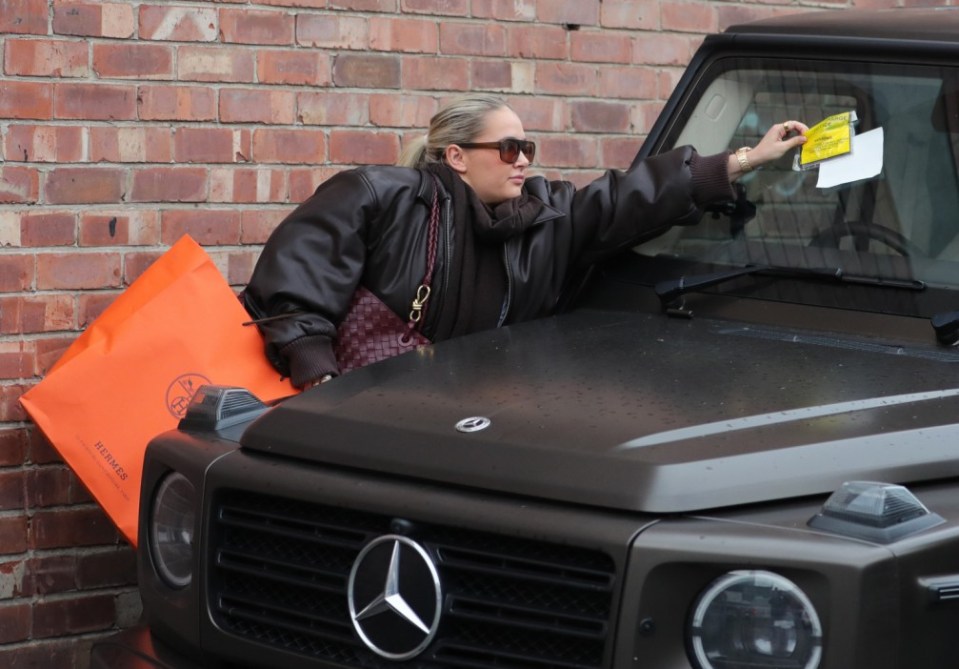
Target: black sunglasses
[(509, 148)]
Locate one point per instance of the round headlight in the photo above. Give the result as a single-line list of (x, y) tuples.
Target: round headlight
[(754, 619), (172, 519)]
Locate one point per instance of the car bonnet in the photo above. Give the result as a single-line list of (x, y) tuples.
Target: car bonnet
[(635, 411)]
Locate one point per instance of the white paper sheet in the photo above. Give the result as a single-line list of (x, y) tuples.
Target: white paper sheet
[(863, 162)]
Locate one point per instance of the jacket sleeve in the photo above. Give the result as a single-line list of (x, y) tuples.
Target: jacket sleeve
[(307, 273), (623, 208)]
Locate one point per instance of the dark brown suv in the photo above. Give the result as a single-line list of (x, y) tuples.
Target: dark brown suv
[(737, 448)]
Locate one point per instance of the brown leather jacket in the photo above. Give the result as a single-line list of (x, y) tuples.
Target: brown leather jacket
[(369, 225)]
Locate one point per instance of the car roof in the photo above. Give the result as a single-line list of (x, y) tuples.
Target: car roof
[(933, 24)]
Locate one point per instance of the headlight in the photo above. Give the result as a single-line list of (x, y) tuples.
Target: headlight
[(754, 619), (172, 518)]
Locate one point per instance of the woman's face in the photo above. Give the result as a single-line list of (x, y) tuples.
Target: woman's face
[(493, 180)]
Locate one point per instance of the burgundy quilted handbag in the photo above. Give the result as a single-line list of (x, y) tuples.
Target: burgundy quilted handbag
[(371, 331)]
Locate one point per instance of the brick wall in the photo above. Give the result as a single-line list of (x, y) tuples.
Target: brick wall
[(124, 125)]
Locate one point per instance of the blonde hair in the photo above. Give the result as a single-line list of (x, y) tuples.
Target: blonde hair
[(460, 120)]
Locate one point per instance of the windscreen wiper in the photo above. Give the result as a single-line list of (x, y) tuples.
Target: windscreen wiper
[(671, 290)]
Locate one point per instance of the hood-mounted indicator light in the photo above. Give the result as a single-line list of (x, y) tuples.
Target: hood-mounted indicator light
[(873, 511)]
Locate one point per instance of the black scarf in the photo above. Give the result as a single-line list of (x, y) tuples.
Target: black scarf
[(474, 299)]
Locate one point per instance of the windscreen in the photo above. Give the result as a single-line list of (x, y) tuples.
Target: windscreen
[(889, 213)]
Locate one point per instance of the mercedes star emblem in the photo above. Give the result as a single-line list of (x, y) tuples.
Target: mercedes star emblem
[(473, 424), (395, 597)]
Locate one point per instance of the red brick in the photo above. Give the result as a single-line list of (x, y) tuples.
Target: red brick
[(240, 267), (255, 228), (75, 271), (363, 5), (580, 13), (305, 68), (473, 39), (662, 49), (444, 7), (24, 16), (169, 184), (247, 26), (180, 24), (211, 145), (426, 73), (15, 579), (215, 64), (248, 185), (251, 105), (15, 622), (629, 14), (289, 146), (364, 71), (16, 272), (48, 229), (44, 143), (177, 103), (491, 75), (67, 653), (74, 526), (697, 17), (568, 151), (404, 35), (84, 185), (538, 41), (24, 99), (13, 536), (541, 113), (595, 116), (402, 111), (95, 102), (46, 58), (106, 568), (41, 451), (355, 147), (627, 82), (18, 360), (13, 446), (52, 485), (566, 79), (11, 481), (92, 305), (120, 228), (505, 10), (40, 313), (209, 228), (332, 32), (138, 61), (134, 265), (19, 185), (10, 408), (86, 613), (94, 19), (142, 144), (330, 109), (600, 47), (52, 574), (304, 181)]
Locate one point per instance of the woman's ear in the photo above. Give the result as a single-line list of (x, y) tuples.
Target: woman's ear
[(455, 158)]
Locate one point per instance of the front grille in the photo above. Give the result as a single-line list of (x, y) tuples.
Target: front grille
[(279, 572)]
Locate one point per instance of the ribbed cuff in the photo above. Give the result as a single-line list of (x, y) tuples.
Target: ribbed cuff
[(710, 175), (309, 358)]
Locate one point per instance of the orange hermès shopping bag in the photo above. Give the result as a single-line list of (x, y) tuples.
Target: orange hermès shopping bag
[(131, 374)]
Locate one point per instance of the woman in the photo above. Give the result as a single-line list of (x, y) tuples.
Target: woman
[(506, 243)]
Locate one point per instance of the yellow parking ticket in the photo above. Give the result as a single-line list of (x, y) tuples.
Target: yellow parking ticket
[(829, 138)]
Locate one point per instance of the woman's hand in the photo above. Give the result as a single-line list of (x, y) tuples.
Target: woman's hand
[(777, 142)]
